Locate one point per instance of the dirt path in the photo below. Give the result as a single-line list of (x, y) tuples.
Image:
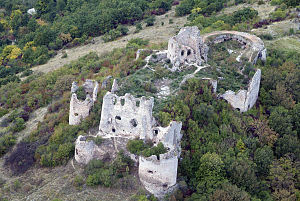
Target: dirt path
[(156, 34)]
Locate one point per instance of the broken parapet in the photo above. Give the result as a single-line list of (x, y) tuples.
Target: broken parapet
[(126, 116), (244, 99), (187, 46), (81, 109), (159, 174)]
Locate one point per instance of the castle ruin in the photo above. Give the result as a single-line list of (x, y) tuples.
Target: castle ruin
[(127, 117), (189, 47), (80, 109)]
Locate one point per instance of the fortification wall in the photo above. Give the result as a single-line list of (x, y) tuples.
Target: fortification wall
[(253, 44), (189, 47), (81, 109), (186, 47), (126, 116), (158, 176), (170, 136), (245, 99), (86, 150), (253, 90)]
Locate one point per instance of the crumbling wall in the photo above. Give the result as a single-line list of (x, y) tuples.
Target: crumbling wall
[(236, 100), (81, 109), (245, 99), (86, 150), (253, 45), (126, 116), (170, 136), (187, 46), (158, 175), (253, 90)]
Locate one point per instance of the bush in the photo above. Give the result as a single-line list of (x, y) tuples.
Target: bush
[(136, 146), (150, 21), (156, 150), (81, 94), (98, 140), (184, 8), (6, 142), (65, 55), (19, 124), (78, 181), (138, 27), (3, 112)]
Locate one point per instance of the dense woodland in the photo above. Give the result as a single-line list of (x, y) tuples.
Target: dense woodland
[(226, 155)]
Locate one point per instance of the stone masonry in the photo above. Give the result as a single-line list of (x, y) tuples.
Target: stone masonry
[(189, 47), (81, 109), (127, 117), (244, 99)]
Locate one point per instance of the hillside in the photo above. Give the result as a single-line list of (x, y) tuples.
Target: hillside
[(225, 73)]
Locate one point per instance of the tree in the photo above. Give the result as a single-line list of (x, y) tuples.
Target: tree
[(229, 192), (281, 121), (263, 157), (261, 129), (282, 179), (210, 174)]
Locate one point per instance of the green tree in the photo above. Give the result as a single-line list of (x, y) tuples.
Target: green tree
[(263, 157), (210, 174)]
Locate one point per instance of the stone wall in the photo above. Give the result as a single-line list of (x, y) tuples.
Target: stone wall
[(81, 109), (158, 176), (244, 99), (189, 47), (86, 150), (126, 116), (254, 46)]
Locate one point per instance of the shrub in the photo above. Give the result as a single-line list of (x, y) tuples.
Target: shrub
[(138, 27), (184, 8), (150, 21), (98, 140), (81, 94), (78, 181), (19, 124), (3, 112), (136, 146), (6, 142), (92, 166), (156, 150), (65, 55)]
